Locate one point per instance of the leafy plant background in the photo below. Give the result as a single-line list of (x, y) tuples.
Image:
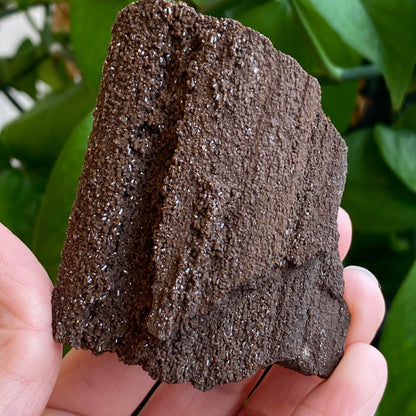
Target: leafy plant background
[(362, 51)]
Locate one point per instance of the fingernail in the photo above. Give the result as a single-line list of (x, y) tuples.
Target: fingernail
[(365, 271)]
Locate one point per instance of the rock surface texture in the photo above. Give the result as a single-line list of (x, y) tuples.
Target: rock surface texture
[(202, 244)]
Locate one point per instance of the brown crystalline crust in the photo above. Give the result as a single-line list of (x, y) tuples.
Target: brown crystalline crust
[(203, 240)]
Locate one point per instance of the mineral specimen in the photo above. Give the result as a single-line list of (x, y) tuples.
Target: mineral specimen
[(203, 240)]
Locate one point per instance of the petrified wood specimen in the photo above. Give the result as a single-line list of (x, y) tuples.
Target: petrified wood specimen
[(203, 241)]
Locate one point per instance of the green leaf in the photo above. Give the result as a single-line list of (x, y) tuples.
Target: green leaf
[(204, 2), (375, 198), (23, 4), (27, 55), (398, 344), (278, 22), (20, 71), (398, 148), (58, 199), (91, 23), (53, 72), (27, 84), (231, 8), (389, 256), (4, 157), (37, 136), (383, 31), (331, 49), (19, 202), (338, 102), (407, 120)]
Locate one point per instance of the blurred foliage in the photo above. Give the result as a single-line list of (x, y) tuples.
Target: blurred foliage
[(399, 344), (362, 51)]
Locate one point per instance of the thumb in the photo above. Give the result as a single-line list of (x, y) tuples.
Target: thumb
[(29, 358)]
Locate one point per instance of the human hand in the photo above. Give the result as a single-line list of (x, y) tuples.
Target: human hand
[(87, 385)]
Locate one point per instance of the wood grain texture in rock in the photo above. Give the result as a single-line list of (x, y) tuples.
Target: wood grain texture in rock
[(202, 244)]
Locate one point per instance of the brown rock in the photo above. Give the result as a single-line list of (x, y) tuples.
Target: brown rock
[(203, 240)]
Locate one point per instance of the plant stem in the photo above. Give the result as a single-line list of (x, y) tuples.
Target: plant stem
[(32, 22), (363, 71), (7, 12), (12, 99), (334, 71), (47, 36), (192, 4)]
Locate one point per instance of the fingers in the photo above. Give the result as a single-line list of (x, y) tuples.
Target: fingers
[(91, 385), (183, 399), (365, 303), (355, 387), (102, 385), (279, 393), (345, 232), (29, 358)]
